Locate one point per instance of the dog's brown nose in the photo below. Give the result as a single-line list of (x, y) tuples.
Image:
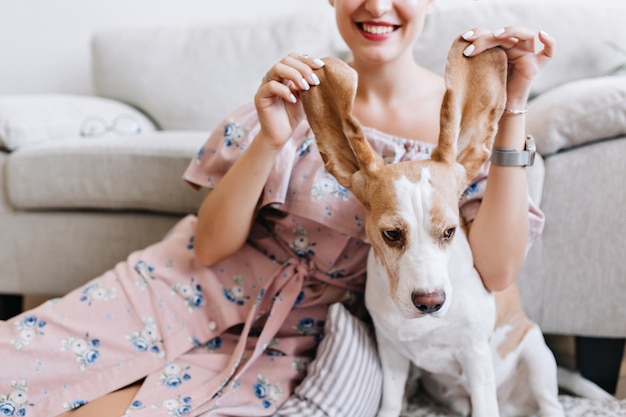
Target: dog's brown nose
[(428, 302)]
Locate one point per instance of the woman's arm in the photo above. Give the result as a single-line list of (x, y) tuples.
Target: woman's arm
[(499, 233), (226, 215)]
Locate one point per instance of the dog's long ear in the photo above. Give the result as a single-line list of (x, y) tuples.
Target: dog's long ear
[(472, 105), (338, 134)]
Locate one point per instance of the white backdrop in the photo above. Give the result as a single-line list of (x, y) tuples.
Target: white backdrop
[(44, 45)]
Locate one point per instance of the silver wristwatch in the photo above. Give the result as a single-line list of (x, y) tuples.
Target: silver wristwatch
[(513, 157)]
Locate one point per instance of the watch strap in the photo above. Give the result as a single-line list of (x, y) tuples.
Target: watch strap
[(513, 157)]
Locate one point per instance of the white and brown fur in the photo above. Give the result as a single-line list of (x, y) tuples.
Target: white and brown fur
[(475, 351)]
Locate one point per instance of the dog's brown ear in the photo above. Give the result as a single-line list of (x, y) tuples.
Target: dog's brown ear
[(338, 134), (472, 105)]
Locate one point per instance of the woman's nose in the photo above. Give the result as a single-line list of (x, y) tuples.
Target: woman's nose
[(378, 7)]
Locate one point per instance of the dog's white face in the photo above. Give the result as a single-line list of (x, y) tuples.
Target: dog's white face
[(412, 218)]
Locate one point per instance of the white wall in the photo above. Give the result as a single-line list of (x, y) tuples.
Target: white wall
[(44, 45)]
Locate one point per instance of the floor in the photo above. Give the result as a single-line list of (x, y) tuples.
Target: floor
[(621, 384), (563, 347)]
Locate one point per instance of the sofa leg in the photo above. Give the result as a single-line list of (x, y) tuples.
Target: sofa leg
[(10, 305), (600, 360)]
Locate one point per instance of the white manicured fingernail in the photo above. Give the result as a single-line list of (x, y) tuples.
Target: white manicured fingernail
[(304, 84), (544, 34), (468, 51), (318, 62), (467, 35), (292, 98), (498, 32), (315, 79)]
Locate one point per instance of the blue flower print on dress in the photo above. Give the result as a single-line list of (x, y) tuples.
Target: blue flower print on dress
[(198, 157), (336, 273), (134, 406), (84, 349), (27, 328), (300, 365), (214, 344), (301, 245), (96, 292), (358, 221), (191, 293), (174, 375), (191, 242), (145, 272), (270, 349), (265, 391), (74, 404), (470, 191), (176, 407), (147, 339), (308, 326), (328, 185), (233, 134), (299, 299), (236, 293), (15, 402), (305, 146)]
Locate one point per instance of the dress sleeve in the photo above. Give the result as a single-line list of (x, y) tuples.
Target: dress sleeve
[(224, 146), (230, 139), (473, 196)]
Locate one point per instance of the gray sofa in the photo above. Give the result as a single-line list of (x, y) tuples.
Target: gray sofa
[(72, 206)]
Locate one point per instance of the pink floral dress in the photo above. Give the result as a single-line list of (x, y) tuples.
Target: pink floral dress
[(230, 340)]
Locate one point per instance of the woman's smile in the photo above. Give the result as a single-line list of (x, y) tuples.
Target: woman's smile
[(376, 31)]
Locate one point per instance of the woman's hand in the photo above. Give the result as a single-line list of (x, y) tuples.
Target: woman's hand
[(277, 99), (525, 58)]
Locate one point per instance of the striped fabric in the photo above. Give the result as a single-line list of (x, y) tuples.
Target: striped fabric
[(345, 379)]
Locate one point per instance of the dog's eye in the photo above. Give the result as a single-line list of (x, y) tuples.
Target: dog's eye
[(392, 236), (448, 233)]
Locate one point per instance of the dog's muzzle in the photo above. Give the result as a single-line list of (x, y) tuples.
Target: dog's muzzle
[(428, 302)]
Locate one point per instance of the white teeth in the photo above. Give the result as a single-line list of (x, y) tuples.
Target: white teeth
[(377, 30)]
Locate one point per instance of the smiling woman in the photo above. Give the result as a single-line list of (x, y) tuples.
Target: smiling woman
[(304, 245)]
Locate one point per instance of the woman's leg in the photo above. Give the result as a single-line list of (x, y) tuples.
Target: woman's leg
[(69, 351), (110, 405), (118, 328)]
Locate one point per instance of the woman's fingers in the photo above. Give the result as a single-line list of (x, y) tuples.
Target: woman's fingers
[(292, 74), (549, 44), (509, 37), (527, 52), (276, 99)]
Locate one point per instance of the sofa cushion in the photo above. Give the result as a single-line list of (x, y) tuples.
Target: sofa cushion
[(345, 379), (191, 77), (593, 52), (578, 112), (38, 118), (132, 173)]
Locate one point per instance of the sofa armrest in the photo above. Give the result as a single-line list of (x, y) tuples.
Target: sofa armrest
[(38, 118), (578, 113), (139, 173)]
